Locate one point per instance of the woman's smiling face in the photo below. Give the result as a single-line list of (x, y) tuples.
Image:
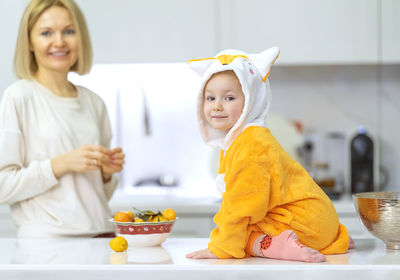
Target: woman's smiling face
[(53, 40), (223, 100)]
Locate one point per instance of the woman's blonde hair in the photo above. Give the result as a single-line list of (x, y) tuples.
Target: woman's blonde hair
[(25, 64)]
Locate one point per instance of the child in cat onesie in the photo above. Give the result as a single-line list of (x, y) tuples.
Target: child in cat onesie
[(271, 207)]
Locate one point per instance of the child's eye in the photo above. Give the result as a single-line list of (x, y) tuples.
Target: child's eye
[(229, 98), (210, 98)]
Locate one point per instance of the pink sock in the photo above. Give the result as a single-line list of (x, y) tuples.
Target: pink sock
[(285, 246)]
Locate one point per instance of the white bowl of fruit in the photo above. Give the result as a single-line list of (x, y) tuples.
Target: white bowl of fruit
[(144, 228)]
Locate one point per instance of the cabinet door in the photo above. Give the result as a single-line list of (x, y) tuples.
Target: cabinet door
[(390, 18), (194, 227), (355, 228), (7, 226), (131, 31), (307, 32)]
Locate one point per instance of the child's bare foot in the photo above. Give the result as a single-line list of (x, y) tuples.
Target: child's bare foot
[(286, 246), (351, 243), (202, 254)]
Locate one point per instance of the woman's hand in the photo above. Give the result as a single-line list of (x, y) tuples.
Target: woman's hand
[(115, 164), (85, 158), (202, 254)]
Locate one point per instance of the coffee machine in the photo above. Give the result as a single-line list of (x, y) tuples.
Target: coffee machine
[(323, 156), (344, 164), (363, 162)]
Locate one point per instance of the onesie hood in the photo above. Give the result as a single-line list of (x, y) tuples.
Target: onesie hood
[(252, 70)]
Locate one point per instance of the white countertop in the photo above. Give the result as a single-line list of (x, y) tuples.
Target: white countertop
[(91, 259)]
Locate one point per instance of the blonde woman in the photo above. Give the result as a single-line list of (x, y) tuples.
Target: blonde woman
[(56, 167)]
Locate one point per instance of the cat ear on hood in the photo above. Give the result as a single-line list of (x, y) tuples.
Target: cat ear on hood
[(264, 60), (200, 66)]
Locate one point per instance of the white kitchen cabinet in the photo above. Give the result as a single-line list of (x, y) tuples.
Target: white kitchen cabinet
[(354, 227), (7, 227), (348, 216), (191, 226), (188, 225), (135, 31), (390, 18), (307, 32), (195, 215)]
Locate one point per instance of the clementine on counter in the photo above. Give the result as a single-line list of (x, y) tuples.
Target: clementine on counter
[(123, 216), (119, 244)]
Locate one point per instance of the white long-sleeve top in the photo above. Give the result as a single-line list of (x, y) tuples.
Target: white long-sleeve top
[(35, 126)]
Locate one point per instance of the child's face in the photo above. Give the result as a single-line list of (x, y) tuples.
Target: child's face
[(223, 100)]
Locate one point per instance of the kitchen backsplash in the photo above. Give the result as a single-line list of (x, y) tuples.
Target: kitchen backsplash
[(153, 112), (341, 98)]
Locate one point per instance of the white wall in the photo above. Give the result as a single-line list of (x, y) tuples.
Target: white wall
[(11, 14)]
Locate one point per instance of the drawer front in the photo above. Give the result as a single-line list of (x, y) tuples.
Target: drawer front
[(7, 227), (355, 227), (192, 227)]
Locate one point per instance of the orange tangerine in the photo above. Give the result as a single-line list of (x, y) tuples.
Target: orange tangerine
[(161, 218), (130, 214), (154, 219), (122, 217), (169, 214)]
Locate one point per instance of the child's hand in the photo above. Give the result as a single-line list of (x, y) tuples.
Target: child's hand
[(202, 254)]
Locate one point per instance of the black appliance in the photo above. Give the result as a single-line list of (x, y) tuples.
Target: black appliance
[(362, 162)]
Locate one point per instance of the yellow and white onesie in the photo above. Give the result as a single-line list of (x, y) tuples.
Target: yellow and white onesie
[(263, 189)]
